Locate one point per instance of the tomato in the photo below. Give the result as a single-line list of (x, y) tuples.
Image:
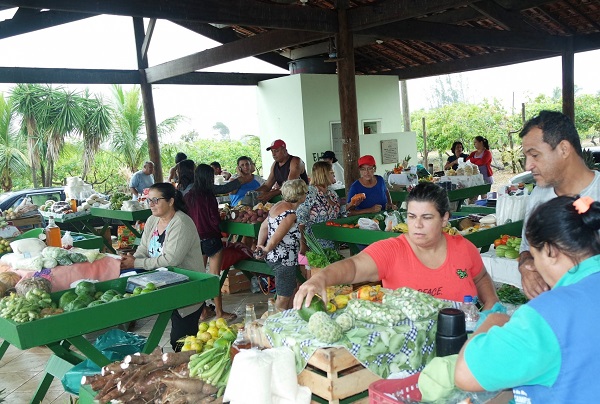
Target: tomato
[(505, 238), (498, 242)]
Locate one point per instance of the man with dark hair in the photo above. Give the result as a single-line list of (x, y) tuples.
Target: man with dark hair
[(180, 156), (553, 155), (285, 167), (244, 166), (218, 171)]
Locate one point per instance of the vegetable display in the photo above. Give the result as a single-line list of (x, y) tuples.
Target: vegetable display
[(507, 246), (154, 378), (317, 256), (511, 294), (117, 199)]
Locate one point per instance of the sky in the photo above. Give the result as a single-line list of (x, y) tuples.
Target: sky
[(107, 42)]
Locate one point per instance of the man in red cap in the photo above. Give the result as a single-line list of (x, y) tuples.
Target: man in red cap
[(285, 167)]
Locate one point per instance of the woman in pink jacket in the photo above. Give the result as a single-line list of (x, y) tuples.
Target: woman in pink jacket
[(482, 158)]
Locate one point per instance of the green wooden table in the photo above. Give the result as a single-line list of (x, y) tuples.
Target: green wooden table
[(62, 332), (457, 195), (482, 239), (126, 217), (81, 240)]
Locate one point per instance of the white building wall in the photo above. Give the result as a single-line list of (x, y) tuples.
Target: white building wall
[(300, 109)]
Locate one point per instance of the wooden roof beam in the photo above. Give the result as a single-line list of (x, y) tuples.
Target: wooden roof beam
[(228, 35), (34, 21), (104, 76), (489, 60), (507, 19), (444, 33), (389, 11), (228, 12), (468, 13), (254, 45)]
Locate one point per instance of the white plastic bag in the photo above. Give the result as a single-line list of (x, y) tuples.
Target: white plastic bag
[(67, 240), (367, 224), (391, 220)]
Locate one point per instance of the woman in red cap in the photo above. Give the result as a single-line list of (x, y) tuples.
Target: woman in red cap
[(368, 194)]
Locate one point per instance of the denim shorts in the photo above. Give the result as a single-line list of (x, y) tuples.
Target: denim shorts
[(211, 246)]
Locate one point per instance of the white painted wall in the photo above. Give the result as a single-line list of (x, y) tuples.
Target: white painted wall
[(300, 108)]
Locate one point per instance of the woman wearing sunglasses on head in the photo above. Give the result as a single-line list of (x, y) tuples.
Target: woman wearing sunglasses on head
[(169, 239)]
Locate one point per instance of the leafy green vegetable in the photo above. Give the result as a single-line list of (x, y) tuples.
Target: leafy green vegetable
[(116, 200), (319, 257), (511, 294)]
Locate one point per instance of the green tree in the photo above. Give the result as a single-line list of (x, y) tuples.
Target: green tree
[(12, 160), (96, 128), (129, 141), (223, 131), (26, 99)]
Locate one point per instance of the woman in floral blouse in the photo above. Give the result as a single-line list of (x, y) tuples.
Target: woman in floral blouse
[(321, 202)]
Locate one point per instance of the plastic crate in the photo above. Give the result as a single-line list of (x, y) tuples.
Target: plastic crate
[(380, 390)]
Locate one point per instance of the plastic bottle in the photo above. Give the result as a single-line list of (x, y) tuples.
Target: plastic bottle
[(241, 342), (471, 313), (249, 324), (52, 231), (271, 307), (254, 287)]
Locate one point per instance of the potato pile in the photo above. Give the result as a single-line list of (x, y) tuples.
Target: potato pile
[(246, 214)]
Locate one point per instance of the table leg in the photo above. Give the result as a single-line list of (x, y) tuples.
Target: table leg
[(157, 331), (3, 348), (92, 230), (89, 351), (42, 389)]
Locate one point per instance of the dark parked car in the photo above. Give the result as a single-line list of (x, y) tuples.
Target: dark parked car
[(38, 196)]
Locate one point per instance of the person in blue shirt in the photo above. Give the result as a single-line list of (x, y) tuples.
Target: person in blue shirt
[(244, 165), (548, 351), (377, 196)]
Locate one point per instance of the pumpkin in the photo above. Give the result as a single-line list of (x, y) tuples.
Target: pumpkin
[(9, 278), (27, 284)]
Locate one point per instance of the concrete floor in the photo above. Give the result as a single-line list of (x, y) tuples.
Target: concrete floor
[(21, 371)]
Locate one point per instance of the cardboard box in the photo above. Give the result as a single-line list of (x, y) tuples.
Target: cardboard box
[(236, 282)]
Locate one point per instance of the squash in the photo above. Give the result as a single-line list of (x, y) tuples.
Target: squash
[(9, 278)]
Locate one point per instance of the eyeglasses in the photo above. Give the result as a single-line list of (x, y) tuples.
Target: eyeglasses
[(154, 201), (367, 169)]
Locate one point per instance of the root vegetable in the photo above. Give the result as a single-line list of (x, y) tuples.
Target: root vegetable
[(89, 379), (139, 374), (209, 389), (113, 368), (181, 370), (172, 359), (187, 385)]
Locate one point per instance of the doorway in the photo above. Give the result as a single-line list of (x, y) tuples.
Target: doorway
[(337, 141)]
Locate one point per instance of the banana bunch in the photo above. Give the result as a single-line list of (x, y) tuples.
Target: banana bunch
[(400, 228), (451, 230)]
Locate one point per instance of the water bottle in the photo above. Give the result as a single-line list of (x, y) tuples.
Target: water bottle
[(471, 313), (254, 286), (271, 307), (250, 325)]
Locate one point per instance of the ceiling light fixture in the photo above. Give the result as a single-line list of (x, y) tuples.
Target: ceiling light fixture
[(378, 41), (303, 2)]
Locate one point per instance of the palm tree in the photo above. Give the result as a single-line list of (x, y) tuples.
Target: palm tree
[(95, 129), (25, 99), (12, 160), (61, 113), (129, 139)]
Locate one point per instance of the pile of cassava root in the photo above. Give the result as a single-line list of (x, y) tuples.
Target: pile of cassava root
[(155, 378)]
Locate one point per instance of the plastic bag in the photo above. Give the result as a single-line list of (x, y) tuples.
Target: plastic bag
[(368, 224), (67, 240), (392, 219), (115, 345)]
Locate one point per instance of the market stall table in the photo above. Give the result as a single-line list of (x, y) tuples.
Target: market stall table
[(482, 239), (503, 270), (62, 331), (457, 195), (128, 218), (248, 266)]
